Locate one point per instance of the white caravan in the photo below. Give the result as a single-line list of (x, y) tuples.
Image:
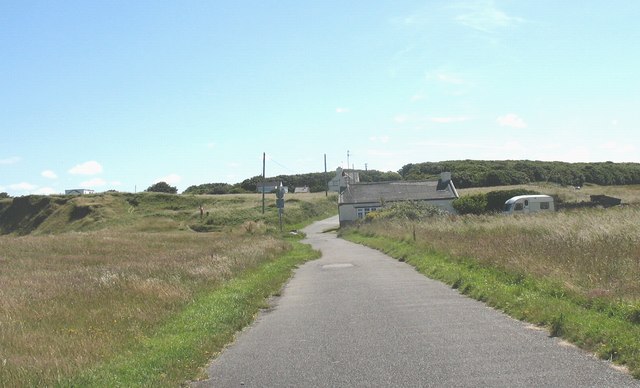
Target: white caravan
[(523, 204)]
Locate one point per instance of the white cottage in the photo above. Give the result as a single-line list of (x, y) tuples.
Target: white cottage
[(79, 192), (358, 199)]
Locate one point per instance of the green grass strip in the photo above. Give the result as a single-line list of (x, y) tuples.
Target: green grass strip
[(611, 335), (182, 347)]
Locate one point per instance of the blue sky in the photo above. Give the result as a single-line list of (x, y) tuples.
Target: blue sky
[(122, 94)]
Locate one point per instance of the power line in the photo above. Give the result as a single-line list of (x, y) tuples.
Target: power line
[(280, 164)]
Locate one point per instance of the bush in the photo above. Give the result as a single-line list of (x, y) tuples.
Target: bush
[(471, 204), (408, 210), (162, 187)]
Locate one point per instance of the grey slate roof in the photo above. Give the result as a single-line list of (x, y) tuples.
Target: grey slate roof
[(398, 191)]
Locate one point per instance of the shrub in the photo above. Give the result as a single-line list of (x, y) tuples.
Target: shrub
[(162, 187), (253, 227), (408, 210), (471, 204)]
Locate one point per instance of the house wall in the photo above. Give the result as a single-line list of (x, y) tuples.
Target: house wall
[(445, 204), (78, 192), (349, 212)]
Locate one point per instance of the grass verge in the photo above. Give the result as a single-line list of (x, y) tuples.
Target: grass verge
[(610, 330), (176, 352)]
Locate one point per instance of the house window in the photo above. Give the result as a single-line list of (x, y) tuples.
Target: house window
[(363, 211)]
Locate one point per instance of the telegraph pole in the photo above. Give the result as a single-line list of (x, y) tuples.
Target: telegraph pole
[(326, 189), (264, 159), (348, 159)]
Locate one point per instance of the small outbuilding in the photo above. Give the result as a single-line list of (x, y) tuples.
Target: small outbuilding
[(358, 199)]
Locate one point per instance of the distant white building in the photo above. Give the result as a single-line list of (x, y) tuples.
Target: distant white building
[(343, 177), (358, 199), (79, 191), (304, 189)]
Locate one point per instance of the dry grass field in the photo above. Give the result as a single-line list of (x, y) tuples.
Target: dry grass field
[(71, 300), (629, 194), (593, 251)]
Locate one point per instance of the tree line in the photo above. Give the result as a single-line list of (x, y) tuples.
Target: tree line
[(487, 173), (464, 173), (316, 182)]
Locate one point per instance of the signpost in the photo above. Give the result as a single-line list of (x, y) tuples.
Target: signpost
[(280, 203)]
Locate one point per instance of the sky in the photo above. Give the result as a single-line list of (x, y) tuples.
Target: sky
[(119, 95)]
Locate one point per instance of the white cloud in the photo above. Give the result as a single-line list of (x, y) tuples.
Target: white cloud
[(45, 191), (171, 179), (49, 174), (22, 186), (511, 120), (447, 120), (95, 182), (485, 16), (211, 145), (86, 168), (8, 161), (343, 110)]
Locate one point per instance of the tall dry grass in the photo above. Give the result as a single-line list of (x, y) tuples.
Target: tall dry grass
[(628, 194), (67, 301), (593, 251)]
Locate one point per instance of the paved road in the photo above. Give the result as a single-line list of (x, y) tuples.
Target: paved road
[(357, 318)]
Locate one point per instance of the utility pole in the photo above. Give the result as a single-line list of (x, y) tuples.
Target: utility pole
[(348, 159), (264, 159), (365, 167), (326, 188), (280, 203)]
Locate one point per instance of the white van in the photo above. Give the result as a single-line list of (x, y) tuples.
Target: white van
[(523, 204)]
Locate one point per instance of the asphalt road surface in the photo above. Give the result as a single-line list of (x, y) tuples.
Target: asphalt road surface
[(357, 318)]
